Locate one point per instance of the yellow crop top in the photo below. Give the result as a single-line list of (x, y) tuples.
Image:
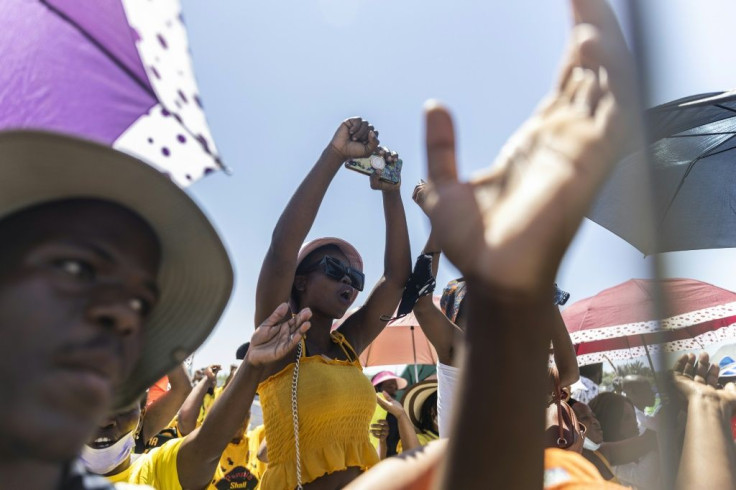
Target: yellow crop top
[(336, 403)]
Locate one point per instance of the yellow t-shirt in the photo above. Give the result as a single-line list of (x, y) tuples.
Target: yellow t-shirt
[(207, 403), (239, 465), (423, 437), (156, 468)]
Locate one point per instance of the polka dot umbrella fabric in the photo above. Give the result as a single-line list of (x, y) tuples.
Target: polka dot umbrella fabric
[(618, 322), (117, 72)]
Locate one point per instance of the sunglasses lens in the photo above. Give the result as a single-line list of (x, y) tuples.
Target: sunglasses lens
[(333, 269), (336, 270), (357, 279)]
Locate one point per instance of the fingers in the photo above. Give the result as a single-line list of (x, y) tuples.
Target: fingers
[(361, 132), (610, 50), (711, 378), (371, 142), (299, 325), (586, 97), (440, 140), (279, 315), (375, 179), (702, 367), (679, 366), (388, 155), (580, 37), (689, 367)]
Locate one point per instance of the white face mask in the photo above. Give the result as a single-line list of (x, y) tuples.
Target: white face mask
[(590, 445), (103, 461)]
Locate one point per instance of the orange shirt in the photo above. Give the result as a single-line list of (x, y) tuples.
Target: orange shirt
[(568, 470)]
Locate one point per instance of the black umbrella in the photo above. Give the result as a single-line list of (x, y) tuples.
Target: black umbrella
[(693, 179)]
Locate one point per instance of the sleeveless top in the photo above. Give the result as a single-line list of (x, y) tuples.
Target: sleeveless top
[(335, 404)]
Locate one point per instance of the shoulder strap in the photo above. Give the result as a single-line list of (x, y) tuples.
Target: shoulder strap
[(340, 340)]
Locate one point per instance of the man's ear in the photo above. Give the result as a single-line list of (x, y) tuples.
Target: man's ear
[(300, 282)]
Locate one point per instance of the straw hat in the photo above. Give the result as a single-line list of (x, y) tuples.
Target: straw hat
[(195, 277), (414, 398)]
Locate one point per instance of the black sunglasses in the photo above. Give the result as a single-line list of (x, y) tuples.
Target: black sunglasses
[(334, 269)]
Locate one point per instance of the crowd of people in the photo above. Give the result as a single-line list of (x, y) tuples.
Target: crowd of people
[(104, 289)]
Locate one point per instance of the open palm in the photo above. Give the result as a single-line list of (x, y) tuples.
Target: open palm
[(519, 217), (278, 335)]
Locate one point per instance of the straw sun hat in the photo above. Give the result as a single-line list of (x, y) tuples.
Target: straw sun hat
[(414, 398), (195, 277)]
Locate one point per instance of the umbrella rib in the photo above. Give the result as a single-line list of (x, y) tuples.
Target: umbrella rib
[(713, 153), (679, 187), (720, 106), (700, 134), (103, 49), (687, 172)]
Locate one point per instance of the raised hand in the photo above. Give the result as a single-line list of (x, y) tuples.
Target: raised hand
[(701, 379), (511, 226), (210, 372), (419, 195), (392, 406), (355, 138), (277, 335), (376, 183)]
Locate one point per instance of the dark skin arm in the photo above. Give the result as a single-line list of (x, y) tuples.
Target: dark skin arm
[(189, 411), (200, 451), (440, 331), (354, 138), (517, 222), (407, 433), (363, 326), (629, 450), (563, 350), (162, 411), (708, 454), (507, 231)]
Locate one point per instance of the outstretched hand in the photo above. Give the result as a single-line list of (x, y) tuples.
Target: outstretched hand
[(701, 379), (355, 138), (277, 335), (511, 226), (392, 406)]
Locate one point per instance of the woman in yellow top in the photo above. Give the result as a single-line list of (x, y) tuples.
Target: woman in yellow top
[(334, 400)]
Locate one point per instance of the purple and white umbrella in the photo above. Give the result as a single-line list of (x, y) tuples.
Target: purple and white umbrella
[(114, 71)]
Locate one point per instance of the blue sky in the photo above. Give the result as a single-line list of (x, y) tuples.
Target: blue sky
[(277, 77)]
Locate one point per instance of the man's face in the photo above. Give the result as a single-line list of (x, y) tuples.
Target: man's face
[(390, 386), (77, 281)]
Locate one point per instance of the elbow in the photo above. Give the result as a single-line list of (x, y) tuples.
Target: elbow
[(569, 378)]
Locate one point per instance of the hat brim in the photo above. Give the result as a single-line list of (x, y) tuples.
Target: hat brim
[(351, 253), (415, 397), (195, 276), (400, 382)]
